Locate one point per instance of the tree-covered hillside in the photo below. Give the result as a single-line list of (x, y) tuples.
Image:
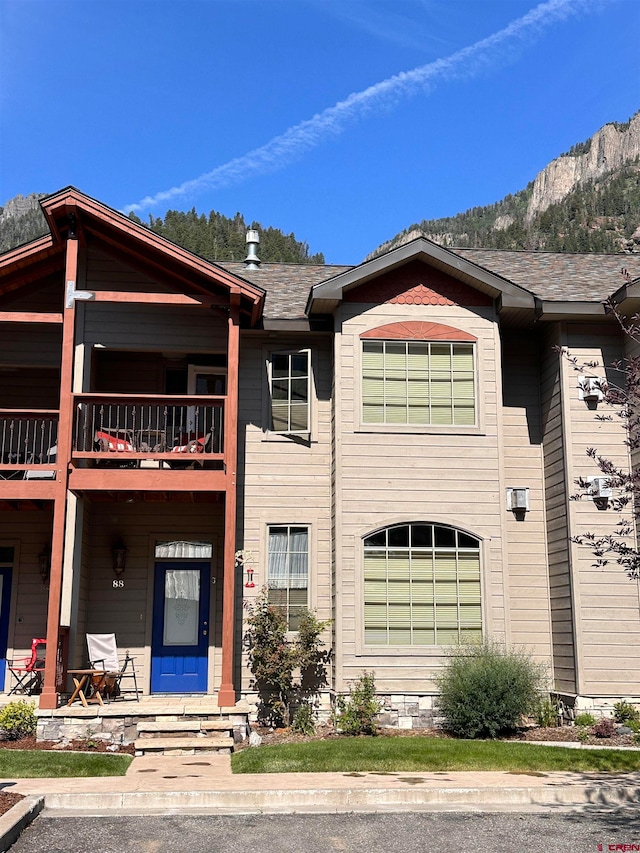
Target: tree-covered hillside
[(600, 216), (214, 237), (219, 238)]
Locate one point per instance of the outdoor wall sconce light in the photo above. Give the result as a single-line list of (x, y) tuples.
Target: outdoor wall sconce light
[(600, 491), (518, 502), (119, 553), (590, 389), (44, 563)]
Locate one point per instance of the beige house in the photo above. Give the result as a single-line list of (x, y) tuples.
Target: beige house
[(394, 444)]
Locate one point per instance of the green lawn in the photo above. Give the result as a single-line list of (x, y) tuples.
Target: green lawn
[(387, 754), (38, 764)]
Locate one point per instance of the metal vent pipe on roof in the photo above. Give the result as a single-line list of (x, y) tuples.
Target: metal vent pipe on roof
[(253, 241)]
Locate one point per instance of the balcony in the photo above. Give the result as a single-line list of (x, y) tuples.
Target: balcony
[(133, 431), (28, 444)]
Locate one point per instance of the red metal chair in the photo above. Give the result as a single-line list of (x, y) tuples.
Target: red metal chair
[(29, 671)]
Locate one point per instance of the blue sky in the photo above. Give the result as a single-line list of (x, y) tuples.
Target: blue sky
[(360, 116)]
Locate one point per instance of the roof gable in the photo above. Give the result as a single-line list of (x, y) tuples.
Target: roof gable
[(70, 211), (417, 283), (326, 296)]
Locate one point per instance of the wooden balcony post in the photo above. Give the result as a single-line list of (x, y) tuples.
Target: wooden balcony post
[(49, 696), (227, 693)]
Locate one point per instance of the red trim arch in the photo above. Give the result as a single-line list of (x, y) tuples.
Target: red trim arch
[(417, 330)]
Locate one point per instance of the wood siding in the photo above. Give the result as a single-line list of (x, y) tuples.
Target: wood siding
[(284, 479), (391, 475), (607, 602), (529, 606), (556, 499)]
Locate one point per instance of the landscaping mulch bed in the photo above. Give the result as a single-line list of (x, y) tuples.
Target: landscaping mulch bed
[(570, 734), (7, 801), (86, 745), (561, 734)]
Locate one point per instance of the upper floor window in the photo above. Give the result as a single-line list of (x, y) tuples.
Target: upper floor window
[(288, 570), (421, 586), (289, 375), (422, 383)]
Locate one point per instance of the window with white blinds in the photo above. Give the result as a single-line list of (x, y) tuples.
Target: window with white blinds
[(421, 383), (288, 571), (289, 375), (421, 586)]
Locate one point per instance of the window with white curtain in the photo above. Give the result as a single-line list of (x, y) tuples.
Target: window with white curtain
[(289, 384), (421, 586), (288, 571), (422, 383)]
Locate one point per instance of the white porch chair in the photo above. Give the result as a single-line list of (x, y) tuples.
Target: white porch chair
[(103, 655)]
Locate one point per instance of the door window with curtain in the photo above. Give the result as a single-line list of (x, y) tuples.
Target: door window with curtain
[(288, 570)]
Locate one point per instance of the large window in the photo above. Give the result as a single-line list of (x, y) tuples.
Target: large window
[(289, 374), (418, 383), (421, 586), (288, 574)]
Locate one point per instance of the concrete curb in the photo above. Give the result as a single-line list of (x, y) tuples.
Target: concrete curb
[(331, 800), (18, 818)]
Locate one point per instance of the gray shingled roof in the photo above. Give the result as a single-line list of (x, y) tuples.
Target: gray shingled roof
[(287, 285), (550, 276), (556, 276)]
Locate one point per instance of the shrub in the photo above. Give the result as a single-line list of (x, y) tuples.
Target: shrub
[(583, 734), (604, 728), (486, 689), (274, 657), (356, 714), (303, 722), (585, 719), (625, 713), (547, 713), (18, 719)]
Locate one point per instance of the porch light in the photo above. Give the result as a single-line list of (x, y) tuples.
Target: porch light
[(119, 553), (44, 562)]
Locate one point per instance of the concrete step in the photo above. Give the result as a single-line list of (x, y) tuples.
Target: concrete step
[(151, 728), (183, 745)]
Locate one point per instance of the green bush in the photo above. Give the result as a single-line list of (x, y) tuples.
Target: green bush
[(486, 689), (625, 713), (547, 713), (583, 734), (18, 719), (356, 713), (303, 722), (585, 719)]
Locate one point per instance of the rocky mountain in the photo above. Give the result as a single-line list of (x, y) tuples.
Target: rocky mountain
[(21, 220), (587, 200)]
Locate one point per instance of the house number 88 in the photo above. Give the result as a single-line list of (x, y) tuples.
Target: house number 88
[(118, 583)]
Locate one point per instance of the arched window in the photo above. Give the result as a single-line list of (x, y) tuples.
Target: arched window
[(421, 586)]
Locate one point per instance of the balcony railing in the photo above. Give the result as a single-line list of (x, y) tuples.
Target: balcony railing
[(28, 443), (124, 429)]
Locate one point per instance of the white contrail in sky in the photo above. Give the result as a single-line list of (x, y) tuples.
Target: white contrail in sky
[(308, 134)]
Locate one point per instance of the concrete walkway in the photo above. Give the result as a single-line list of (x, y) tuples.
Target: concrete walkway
[(205, 784)]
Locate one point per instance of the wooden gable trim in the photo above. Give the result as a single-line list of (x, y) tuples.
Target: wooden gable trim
[(148, 248), (416, 330), (417, 283)]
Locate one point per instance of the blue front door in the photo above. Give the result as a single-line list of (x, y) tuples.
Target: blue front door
[(180, 627)]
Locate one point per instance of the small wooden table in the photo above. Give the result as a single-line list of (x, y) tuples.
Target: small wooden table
[(88, 679)]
